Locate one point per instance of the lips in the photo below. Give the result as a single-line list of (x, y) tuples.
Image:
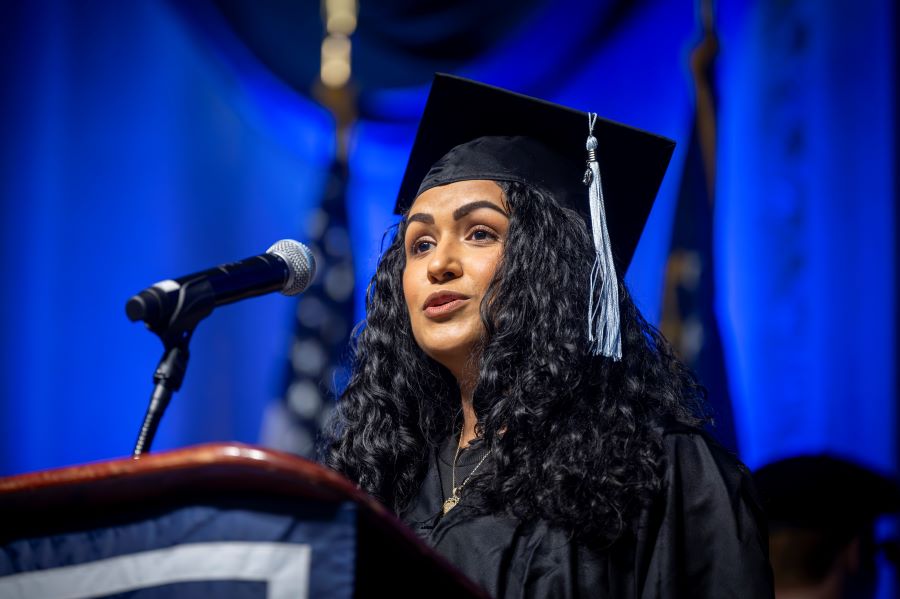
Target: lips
[(443, 302)]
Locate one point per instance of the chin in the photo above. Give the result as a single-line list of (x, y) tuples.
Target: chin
[(452, 352)]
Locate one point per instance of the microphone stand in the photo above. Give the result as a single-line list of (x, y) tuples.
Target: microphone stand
[(195, 302), (168, 377)]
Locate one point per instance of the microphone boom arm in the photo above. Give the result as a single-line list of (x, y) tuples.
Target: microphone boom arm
[(173, 308)]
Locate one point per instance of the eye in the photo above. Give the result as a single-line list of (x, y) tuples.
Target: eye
[(483, 234), (419, 246)]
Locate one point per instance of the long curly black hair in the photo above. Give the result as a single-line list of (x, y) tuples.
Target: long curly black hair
[(575, 439)]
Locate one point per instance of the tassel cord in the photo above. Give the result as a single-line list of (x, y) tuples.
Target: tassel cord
[(604, 331)]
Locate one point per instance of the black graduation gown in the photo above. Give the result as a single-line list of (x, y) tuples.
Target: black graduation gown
[(704, 537)]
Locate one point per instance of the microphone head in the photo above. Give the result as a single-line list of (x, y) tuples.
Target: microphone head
[(300, 262)]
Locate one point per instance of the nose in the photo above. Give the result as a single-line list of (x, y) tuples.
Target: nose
[(445, 264)]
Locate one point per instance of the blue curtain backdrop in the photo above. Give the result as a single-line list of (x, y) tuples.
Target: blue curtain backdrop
[(140, 143), (807, 234), (133, 153)]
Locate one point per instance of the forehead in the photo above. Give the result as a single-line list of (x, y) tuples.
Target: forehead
[(444, 198)]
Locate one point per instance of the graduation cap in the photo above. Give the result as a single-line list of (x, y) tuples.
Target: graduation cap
[(608, 172), (816, 506), (825, 493)]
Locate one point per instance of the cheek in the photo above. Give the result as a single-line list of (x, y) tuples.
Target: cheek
[(408, 287), (484, 269), (411, 298)]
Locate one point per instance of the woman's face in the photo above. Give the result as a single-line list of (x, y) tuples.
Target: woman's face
[(454, 240)]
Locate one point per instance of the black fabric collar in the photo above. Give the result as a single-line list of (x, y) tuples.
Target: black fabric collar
[(468, 456)]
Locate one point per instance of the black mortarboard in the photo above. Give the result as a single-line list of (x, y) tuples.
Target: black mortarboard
[(632, 162), (470, 130), (825, 493)]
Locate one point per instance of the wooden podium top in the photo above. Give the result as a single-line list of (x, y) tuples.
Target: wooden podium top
[(232, 474), (213, 471), (236, 466)]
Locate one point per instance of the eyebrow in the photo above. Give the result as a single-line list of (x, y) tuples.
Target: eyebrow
[(467, 208), (420, 217), (459, 213)]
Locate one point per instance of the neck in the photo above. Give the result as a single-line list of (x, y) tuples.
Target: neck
[(467, 434)]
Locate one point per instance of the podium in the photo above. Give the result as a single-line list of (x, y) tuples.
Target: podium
[(217, 520)]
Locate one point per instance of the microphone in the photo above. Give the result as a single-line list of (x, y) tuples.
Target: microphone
[(287, 266)]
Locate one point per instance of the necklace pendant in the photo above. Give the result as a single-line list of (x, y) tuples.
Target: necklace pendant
[(451, 503)]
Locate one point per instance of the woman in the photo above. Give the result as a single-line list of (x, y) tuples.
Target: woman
[(521, 416)]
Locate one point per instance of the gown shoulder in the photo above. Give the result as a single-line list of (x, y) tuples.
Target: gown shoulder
[(710, 537)]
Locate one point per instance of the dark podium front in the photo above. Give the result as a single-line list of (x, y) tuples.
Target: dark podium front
[(220, 520)]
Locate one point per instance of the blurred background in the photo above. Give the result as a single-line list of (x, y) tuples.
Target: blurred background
[(147, 140)]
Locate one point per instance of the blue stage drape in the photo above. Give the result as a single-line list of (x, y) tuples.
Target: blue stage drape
[(132, 152), (806, 236)]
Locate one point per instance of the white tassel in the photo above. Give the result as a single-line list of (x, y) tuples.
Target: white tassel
[(603, 309)]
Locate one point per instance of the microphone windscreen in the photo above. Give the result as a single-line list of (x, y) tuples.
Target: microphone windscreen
[(300, 262)]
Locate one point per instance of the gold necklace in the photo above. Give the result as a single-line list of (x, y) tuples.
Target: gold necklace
[(451, 501)]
